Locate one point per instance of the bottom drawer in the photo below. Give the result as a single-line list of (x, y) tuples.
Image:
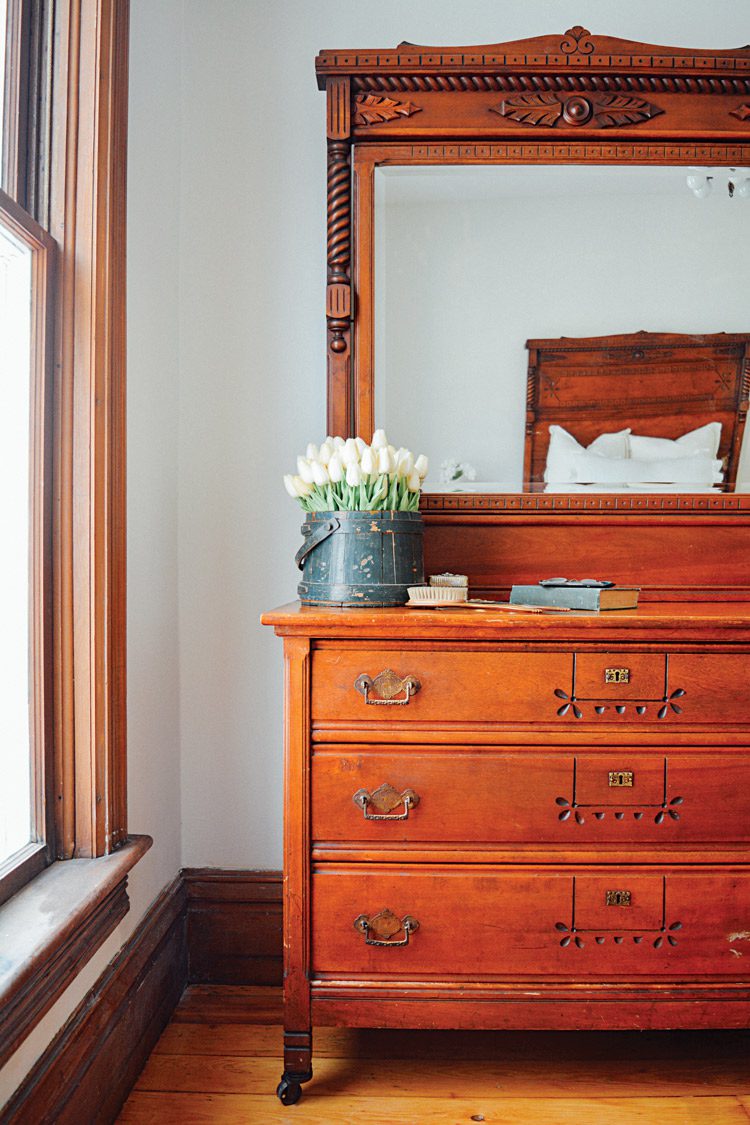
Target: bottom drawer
[(530, 922)]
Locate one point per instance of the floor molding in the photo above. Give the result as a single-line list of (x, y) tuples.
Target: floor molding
[(90, 1066), (233, 926)]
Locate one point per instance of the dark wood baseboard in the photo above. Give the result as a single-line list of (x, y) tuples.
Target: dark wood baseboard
[(233, 926), (208, 926), (88, 1069)]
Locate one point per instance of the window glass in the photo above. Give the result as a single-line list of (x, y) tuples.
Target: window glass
[(3, 25), (15, 367)]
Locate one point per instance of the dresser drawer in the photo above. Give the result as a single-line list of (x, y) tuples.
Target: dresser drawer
[(386, 687), (445, 686), (472, 795), (539, 923)]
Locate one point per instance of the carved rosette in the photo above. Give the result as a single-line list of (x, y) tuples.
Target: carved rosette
[(599, 111), (372, 109)]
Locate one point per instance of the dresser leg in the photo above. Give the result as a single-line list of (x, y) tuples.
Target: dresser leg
[(297, 1066)]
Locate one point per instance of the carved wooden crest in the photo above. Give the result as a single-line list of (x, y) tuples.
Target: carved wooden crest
[(577, 41), (372, 109), (599, 111)]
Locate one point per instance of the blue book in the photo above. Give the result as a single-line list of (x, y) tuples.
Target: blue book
[(577, 597)]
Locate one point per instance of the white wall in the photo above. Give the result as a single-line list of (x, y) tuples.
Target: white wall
[(226, 383)]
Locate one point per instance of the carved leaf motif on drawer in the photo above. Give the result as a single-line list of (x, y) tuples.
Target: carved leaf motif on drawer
[(571, 705)]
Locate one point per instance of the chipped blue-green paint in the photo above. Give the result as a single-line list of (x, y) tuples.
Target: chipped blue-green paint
[(360, 558)]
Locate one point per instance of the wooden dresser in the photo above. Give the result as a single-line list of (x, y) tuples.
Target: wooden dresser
[(515, 821)]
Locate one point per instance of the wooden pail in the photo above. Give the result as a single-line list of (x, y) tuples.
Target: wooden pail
[(360, 558)]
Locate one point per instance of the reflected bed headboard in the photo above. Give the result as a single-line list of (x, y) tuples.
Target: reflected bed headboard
[(659, 384)]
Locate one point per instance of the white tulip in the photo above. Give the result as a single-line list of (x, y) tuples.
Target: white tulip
[(379, 440), (361, 445), (304, 470), (319, 473), (303, 488), (353, 474), (337, 442), (311, 453), (289, 485), (336, 468), (368, 463), (325, 453), (405, 463), (414, 483), (350, 453), (421, 465), (386, 464)]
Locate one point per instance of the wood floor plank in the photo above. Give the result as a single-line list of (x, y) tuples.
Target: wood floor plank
[(145, 1108), (210, 1003), (441, 1078), (341, 1042)]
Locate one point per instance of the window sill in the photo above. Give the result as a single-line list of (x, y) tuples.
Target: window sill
[(51, 928)]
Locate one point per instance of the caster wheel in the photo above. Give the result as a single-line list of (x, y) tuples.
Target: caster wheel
[(288, 1092)]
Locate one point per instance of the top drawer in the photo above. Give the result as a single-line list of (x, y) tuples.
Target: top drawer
[(405, 685)]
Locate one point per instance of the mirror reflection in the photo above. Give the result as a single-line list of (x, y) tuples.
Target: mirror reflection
[(472, 262)]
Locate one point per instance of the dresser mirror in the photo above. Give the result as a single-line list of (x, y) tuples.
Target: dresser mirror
[(483, 196), (471, 262)]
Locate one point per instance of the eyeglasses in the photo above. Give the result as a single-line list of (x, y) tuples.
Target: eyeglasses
[(589, 583)]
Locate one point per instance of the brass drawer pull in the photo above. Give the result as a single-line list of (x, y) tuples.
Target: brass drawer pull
[(617, 898), (383, 926), (385, 799), (386, 687)]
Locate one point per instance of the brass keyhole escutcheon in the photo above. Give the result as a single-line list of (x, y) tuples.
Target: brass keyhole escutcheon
[(621, 779), (617, 675), (617, 898)]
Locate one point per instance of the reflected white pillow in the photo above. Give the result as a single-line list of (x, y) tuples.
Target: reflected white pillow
[(563, 448), (705, 439), (698, 469)]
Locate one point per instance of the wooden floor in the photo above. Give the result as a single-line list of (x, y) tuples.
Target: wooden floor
[(219, 1061)]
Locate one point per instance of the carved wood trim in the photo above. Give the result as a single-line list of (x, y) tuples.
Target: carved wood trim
[(577, 56), (519, 83), (370, 109), (338, 289), (604, 111), (607, 152), (575, 504)]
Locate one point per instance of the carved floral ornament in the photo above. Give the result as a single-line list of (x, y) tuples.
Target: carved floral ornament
[(600, 111)]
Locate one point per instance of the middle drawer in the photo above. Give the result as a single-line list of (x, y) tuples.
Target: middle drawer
[(464, 794)]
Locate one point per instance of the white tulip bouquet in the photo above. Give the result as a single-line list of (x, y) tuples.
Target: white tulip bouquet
[(352, 476)]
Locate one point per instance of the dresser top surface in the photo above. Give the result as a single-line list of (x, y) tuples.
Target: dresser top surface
[(653, 620)]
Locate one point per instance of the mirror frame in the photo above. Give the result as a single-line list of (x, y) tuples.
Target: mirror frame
[(572, 99)]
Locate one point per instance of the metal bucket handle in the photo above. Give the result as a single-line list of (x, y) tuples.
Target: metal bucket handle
[(317, 536)]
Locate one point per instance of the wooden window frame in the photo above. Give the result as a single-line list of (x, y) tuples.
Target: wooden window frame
[(64, 160), (74, 148), (87, 189)]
